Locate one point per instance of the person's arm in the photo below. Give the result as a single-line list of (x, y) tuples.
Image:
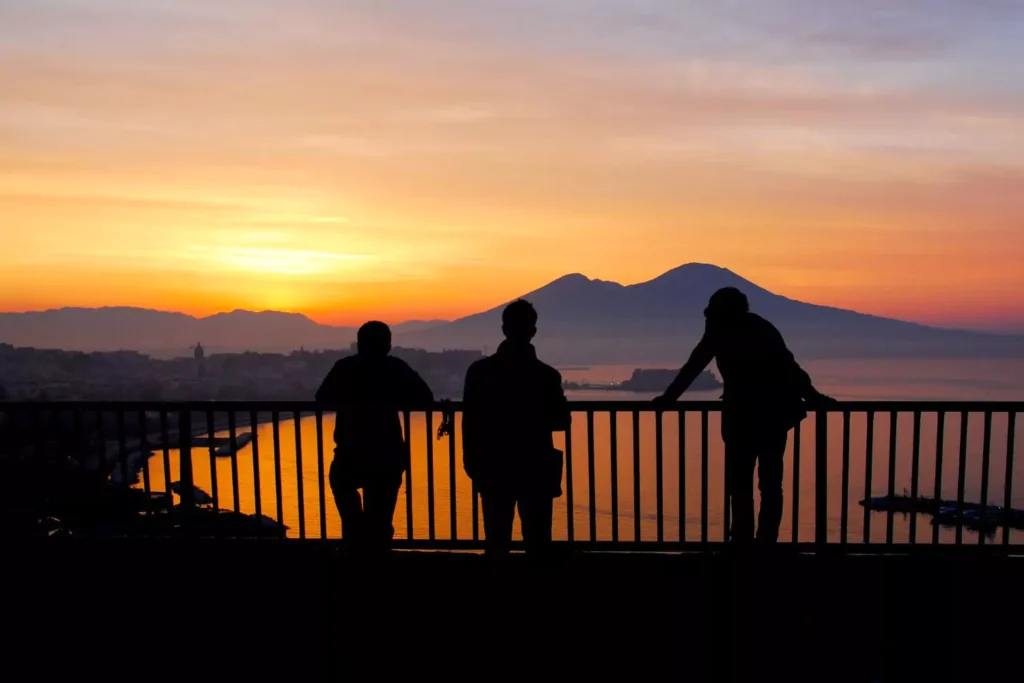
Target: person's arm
[(798, 377), (702, 354), (808, 392), (470, 422), (416, 393), (332, 388), (801, 380), (560, 416)]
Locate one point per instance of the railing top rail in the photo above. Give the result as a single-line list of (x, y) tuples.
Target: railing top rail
[(577, 406)]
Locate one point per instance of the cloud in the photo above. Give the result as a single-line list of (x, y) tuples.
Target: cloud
[(439, 135)]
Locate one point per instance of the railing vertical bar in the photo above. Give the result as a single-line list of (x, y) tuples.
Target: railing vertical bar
[(431, 531), (256, 489), (915, 472), (659, 473), (681, 416), (844, 515), (165, 439), (1011, 426), (275, 423), (965, 418), (591, 475), (299, 482), (185, 459), (940, 437), (726, 505), (476, 511), (320, 484), (637, 517), (233, 445), (986, 462), (210, 431), (821, 478), (613, 417), (144, 453), (76, 430), (122, 450), (797, 448), (890, 515), (407, 431), (36, 431), (704, 477), (570, 508), (869, 458), (453, 499), (60, 444), (101, 446)]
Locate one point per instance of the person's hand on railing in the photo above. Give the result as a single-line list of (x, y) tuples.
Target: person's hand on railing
[(662, 402), (820, 401), (447, 426)]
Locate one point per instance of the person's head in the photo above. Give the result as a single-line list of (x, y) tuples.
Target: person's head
[(373, 339), (519, 321), (727, 304)]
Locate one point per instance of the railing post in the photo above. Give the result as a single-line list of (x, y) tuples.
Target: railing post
[(821, 478), (185, 459)]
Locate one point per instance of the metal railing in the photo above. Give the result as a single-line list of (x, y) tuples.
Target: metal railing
[(634, 478)]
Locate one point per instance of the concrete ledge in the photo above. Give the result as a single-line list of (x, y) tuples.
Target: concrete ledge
[(265, 608)]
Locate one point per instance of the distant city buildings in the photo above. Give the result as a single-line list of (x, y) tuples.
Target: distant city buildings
[(31, 374), (200, 357)]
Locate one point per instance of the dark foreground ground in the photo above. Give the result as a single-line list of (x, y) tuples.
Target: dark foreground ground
[(263, 611)]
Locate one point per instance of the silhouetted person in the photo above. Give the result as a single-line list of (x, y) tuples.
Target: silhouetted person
[(512, 403), (764, 397), (368, 390)]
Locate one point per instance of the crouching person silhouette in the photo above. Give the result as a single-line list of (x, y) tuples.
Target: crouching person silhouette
[(367, 391), (512, 404)]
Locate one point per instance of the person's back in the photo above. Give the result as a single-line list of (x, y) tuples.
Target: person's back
[(367, 391), (758, 371), (511, 405)]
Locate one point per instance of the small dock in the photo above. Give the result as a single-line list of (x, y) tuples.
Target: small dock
[(973, 516), (135, 455)]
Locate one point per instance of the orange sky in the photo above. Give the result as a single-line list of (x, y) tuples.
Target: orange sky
[(381, 162)]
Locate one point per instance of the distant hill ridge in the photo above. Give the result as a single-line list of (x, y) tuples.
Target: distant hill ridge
[(582, 321), (596, 321)]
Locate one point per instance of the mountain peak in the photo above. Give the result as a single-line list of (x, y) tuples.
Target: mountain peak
[(699, 269), (243, 313), (699, 279), (571, 278)]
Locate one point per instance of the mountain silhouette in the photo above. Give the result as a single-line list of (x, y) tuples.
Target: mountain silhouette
[(166, 333), (582, 321), (596, 321)]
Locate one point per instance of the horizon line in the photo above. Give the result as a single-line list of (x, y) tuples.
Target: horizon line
[(1012, 328)]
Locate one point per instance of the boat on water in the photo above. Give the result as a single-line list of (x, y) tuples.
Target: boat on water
[(241, 441), (949, 513), (200, 496)]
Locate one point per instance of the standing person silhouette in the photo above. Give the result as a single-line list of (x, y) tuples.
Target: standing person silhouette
[(766, 394), (512, 404), (367, 391)]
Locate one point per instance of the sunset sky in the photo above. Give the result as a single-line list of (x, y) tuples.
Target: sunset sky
[(430, 158)]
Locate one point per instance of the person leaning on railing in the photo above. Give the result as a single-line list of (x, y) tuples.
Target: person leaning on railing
[(367, 391), (766, 394)]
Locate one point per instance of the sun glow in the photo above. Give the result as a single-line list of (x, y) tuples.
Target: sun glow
[(298, 262), (412, 160)]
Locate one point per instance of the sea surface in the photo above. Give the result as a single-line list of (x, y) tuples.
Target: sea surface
[(685, 510)]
